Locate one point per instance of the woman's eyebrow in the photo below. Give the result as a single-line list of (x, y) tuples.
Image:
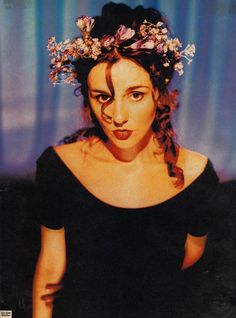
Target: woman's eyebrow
[(136, 87), (99, 91)]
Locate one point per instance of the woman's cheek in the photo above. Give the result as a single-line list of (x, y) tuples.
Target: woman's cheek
[(96, 109), (146, 114)]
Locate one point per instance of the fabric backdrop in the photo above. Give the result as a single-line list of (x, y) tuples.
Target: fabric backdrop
[(34, 114)]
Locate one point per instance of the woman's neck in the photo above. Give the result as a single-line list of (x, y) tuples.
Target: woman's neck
[(145, 151)]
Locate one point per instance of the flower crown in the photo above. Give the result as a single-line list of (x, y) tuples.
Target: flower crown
[(149, 38)]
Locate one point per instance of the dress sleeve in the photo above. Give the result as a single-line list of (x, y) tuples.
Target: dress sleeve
[(203, 203), (48, 192)]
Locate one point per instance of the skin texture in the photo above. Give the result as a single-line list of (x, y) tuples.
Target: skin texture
[(115, 170), (50, 269), (133, 106)]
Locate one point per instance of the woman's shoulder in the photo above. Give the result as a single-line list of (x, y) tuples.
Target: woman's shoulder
[(68, 148), (49, 154), (193, 163), (72, 151), (79, 152)]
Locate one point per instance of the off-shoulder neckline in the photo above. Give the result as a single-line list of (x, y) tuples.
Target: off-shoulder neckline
[(150, 207)]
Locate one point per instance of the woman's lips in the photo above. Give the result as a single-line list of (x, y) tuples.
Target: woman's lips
[(122, 134)]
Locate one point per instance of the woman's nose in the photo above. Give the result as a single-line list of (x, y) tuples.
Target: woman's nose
[(120, 114)]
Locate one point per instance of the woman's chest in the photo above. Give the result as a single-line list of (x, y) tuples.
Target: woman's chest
[(96, 230), (128, 189)]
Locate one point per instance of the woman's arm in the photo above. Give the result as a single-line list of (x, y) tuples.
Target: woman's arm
[(194, 249), (50, 269)]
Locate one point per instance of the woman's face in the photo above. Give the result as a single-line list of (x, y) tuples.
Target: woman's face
[(131, 110)]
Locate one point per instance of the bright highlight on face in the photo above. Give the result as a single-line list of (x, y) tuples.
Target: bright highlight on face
[(131, 108)]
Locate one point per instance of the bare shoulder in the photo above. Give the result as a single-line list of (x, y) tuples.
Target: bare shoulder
[(72, 152), (193, 163), (74, 146), (77, 152)]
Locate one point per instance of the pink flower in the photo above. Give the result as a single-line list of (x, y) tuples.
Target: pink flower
[(148, 44), (107, 40), (136, 45), (142, 44), (85, 23), (124, 34), (159, 48)]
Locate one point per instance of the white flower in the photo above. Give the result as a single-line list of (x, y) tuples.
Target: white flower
[(179, 68), (165, 47), (159, 37), (189, 50), (153, 31), (142, 30), (173, 44), (85, 23), (148, 44), (164, 31), (67, 41)]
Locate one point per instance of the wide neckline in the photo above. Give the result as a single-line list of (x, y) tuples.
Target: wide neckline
[(150, 207)]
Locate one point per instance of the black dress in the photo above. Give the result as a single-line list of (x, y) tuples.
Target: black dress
[(121, 262)]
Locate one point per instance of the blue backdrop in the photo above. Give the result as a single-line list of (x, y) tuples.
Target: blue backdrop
[(34, 114)]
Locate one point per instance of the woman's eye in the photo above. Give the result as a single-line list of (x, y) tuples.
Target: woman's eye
[(102, 98), (136, 96)]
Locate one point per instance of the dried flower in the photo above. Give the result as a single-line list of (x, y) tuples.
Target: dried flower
[(107, 40), (124, 34), (150, 37), (188, 51), (160, 48), (148, 44), (173, 44), (166, 64), (179, 68), (85, 23)]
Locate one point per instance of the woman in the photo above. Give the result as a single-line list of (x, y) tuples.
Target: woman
[(123, 208)]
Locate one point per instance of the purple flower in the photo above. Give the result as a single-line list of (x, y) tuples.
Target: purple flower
[(124, 34), (107, 40)]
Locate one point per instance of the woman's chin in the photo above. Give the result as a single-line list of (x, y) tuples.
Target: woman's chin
[(128, 141), (122, 144)]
